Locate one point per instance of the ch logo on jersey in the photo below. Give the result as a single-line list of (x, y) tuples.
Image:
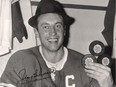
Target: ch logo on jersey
[(68, 78)]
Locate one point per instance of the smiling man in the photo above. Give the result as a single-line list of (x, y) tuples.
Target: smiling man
[(51, 64)]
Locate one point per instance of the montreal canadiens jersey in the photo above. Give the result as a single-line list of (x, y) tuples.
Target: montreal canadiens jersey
[(26, 68)]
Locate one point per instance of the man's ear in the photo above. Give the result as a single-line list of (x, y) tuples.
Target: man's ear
[(64, 30)]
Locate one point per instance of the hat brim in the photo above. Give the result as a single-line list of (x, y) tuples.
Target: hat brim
[(67, 20)]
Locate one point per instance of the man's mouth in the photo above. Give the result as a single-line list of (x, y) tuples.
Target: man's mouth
[(53, 40)]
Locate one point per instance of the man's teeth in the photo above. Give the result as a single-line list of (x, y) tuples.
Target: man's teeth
[(53, 39)]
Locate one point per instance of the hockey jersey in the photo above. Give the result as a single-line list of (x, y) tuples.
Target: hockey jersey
[(26, 68)]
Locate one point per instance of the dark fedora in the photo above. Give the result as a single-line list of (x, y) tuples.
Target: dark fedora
[(50, 6)]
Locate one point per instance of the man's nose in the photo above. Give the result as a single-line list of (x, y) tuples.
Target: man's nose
[(53, 31)]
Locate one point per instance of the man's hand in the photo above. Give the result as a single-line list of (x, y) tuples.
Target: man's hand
[(101, 73)]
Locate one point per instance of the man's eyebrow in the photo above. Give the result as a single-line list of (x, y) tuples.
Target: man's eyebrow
[(59, 23), (44, 24), (48, 23)]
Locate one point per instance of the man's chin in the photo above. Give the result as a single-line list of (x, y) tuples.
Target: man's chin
[(53, 49)]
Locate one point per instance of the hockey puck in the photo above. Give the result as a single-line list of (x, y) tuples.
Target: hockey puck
[(88, 58), (96, 48), (105, 60)]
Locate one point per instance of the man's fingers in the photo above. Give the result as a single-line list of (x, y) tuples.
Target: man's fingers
[(93, 76), (93, 72), (100, 66)]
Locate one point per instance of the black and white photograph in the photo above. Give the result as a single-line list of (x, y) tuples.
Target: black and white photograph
[(57, 43)]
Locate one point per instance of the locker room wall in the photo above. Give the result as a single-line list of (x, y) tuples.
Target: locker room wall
[(27, 43)]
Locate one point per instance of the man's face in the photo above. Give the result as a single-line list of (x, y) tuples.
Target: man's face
[(51, 31)]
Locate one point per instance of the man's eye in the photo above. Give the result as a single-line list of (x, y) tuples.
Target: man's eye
[(58, 26), (45, 27)]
